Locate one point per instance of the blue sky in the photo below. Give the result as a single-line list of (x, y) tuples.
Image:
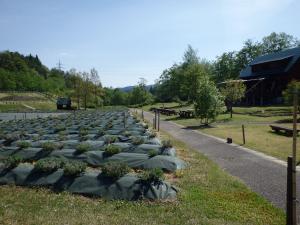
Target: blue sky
[(128, 39)]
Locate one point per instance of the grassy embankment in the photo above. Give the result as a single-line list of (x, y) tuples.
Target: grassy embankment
[(256, 120), (25, 102), (207, 195)]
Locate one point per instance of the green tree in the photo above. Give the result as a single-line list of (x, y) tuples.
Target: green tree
[(277, 42), (208, 102), (288, 94), (233, 92)]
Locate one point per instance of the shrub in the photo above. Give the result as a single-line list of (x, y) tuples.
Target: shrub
[(112, 150), (115, 170), (83, 132), (127, 133), (49, 146), (12, 162), (100, 132), (152, 153), (49, 164), (59, 128), (152, 134), (155, 176), (83, 147), (137, 140), (9, 138), (73, 168), (109, 139), (23, 144), (166, 144), (145, 125), (109, 125)]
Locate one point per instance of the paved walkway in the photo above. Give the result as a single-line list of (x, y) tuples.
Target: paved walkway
[(263, 174)]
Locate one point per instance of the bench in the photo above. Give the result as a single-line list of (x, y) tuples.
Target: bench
[(286, 130)]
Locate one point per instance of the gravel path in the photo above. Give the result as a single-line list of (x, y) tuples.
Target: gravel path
[(263, 174)]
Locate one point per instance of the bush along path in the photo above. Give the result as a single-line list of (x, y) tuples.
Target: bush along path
[(263, 174), (89, 153)]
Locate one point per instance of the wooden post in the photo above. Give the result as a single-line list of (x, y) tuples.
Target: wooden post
[(295, 108), (290, 201), (124, 119), (142, 114), (153, 123), (155, 119), (158, 120), (243, 129)]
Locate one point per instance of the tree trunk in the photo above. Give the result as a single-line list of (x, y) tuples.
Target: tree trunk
[(231, 112)]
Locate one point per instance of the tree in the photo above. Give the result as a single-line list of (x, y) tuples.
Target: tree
[(225, 67), (233, 92), (288, 94), (208, 102), (139, 94), (249, 51), (86, 87), (276, 42), (97, 86), (190, 56)]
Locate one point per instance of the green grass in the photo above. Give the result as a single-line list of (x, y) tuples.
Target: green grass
[(258, 137), (207, 195), (20, 107)]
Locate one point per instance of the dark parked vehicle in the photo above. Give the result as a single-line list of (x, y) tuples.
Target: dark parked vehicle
[(63, 103)]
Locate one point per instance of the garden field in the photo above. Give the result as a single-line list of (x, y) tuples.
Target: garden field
[(207, 195), (54, 152)]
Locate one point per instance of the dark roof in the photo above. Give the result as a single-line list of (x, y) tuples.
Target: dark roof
[(292, 55)]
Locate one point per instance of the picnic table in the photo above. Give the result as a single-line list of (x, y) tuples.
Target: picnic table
[(186, 113), (286, 130), (168, 112)]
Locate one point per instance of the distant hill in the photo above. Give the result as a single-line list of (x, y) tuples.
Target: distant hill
[(129, 88)]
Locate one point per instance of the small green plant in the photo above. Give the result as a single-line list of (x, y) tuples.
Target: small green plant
[(23, 144), (155, 175), (109, 125), (83, 147), (137, 140), (59, 128), (83, 132), (127, 133), (152, 153), (109, 139), (145, 125), (49, 146), (49, 164), (9, 138), (12, 161), (152, 134), (100, 132), (73, 168), (112, 150), (115, 170), (166, 144)]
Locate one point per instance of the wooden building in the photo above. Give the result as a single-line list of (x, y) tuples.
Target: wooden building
[(268, 75)]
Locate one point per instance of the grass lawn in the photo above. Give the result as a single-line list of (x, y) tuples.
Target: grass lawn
[(20, 107), (208, 195), (258, 137)]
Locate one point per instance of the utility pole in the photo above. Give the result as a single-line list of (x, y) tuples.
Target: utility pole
[(59, 65)]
